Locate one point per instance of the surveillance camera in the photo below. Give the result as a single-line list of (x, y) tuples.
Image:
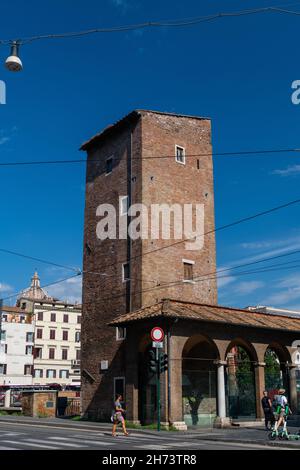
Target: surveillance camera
[(13, 63)]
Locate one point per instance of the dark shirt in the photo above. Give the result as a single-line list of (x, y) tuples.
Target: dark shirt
[(265, 402)]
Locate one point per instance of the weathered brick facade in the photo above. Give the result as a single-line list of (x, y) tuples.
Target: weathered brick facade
[(136, 144)]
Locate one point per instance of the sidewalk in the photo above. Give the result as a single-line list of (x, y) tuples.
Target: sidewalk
[(253, 435)]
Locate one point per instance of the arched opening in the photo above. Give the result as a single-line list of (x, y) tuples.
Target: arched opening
[(199, 381), (240, 381), (276, 370)]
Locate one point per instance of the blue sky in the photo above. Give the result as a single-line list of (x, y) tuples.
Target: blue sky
[(238, 71)]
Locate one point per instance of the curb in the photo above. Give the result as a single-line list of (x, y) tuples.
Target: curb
[(254, 441), (101, 427)]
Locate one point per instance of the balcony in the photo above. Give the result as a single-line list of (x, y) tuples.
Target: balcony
[(75, 363)]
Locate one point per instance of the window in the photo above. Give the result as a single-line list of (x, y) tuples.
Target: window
[(3, 335), (64, 354), (29, 337), (180, 154), (119, 386), (77, 337), (52, 334), (38, 373), (22, 319), (29, 350), (109, 165), (51, 374), (51, 353), (66, 318), (40, 316), (124, 203), (53, 317), (125, 272), (38, 353), (78, 354), (63, 374), (4, 318), (3, 348), (188, 270), (120, 333), (39, 333), (28, 369), (3, 368), (65, 335), (79, 319), (23, 306)]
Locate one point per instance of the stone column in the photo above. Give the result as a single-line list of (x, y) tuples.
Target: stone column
[(293, 387), (259, 368), (7, 398), (175, 365), (221, 419), (132, 391)]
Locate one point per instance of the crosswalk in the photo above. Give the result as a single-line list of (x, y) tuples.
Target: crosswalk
[(92, 440)]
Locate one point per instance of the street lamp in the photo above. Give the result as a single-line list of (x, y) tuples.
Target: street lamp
[(13, 63)]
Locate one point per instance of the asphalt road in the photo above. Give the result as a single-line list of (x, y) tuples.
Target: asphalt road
[(31, 436)]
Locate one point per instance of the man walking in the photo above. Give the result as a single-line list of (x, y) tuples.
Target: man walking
[(267, 407)]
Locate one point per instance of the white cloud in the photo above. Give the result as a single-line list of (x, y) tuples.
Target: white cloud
[(123, 4), (5, 287), (285, 291), (291, 170), (224, 277), (3, 140), (69, 290), (247, 287)]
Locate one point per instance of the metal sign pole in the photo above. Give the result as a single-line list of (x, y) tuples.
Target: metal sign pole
[(158, 387)]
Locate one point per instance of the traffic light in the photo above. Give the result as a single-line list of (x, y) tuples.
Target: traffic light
[(152, 364), (163, 362)]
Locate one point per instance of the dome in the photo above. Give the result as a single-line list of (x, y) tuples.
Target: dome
[(35, 291)]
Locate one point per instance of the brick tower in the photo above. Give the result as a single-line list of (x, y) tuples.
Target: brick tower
[(147, 158)]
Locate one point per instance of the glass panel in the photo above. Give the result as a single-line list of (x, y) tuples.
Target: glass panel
[(240, 385), (199, 397)]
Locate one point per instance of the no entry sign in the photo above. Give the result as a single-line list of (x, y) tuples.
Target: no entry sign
[(157, 334)]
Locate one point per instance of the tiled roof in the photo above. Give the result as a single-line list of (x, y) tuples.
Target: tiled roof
[(169, 308), (133, 115), (6, 309)]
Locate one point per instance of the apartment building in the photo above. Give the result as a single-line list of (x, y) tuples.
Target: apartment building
[(16, 347), (57, 328)]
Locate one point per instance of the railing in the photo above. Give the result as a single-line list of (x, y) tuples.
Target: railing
[(68, 407)]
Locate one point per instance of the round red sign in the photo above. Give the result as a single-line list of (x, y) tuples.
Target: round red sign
[(157, 334)]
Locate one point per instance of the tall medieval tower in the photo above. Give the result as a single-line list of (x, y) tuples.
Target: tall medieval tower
[(149, 158)]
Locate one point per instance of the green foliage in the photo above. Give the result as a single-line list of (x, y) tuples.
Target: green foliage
[(273, 378)]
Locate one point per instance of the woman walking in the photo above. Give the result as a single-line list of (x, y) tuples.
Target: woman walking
[(117, 416)]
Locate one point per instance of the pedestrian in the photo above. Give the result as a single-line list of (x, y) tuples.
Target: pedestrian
[(268, 412), (283, 410), (118, 416)]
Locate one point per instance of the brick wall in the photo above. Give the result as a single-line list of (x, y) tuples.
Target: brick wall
[(154, 181)]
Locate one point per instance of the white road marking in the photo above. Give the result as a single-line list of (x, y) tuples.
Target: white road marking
[(154, 447), (23, 443), (87, 441), (8, 448)]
